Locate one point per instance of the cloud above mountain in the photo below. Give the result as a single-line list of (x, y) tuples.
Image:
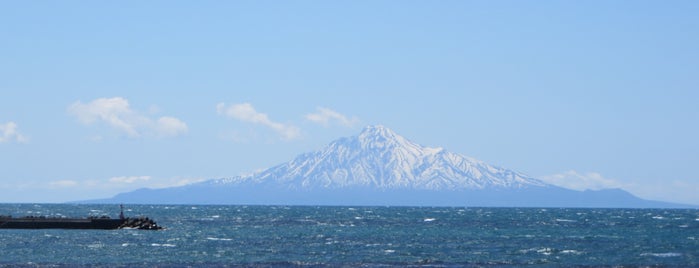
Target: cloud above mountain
[(245, 112), (129, 179), (326, 117), (118, 183), (117, 113), (9, 132), (581, 181)]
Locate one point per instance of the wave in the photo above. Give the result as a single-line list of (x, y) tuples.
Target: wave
[(219, 239), (662, 255)]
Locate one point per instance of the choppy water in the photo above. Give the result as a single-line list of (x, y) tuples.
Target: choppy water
[(223, 236)]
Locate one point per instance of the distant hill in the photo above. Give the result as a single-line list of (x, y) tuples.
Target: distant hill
[(380, 167)]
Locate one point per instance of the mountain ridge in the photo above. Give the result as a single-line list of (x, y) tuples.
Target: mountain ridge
[(381, 168)]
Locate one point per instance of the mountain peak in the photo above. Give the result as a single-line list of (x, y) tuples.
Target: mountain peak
[(378, 136), (380, 158), (377, 130)]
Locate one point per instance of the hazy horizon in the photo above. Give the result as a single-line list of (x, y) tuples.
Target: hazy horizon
[(104, 98)]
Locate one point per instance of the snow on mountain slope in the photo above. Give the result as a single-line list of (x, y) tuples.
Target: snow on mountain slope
[(380, 158)]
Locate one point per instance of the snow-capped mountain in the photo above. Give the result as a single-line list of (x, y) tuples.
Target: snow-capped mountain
[(379, 167), (380, 158)]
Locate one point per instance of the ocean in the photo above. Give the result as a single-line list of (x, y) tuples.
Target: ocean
[(305, 236)]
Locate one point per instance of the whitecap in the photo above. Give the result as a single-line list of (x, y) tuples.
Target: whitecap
[(662, 255), (545, 251), (219, 239), (525, 251), (162, 245), (570, 251), (429, 219), (97, 245), (565, 220), (389, 251)]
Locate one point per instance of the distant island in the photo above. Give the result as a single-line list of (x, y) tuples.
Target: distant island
[(381, 168)]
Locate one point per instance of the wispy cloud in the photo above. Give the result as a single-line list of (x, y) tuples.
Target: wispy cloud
[(129, 179), (582, 181), (170, 126), (245, 112), (325, 117), (9, 133), (118, 183), (117, 113)]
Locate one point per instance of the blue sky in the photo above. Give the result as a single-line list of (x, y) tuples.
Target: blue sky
[(100, 98)]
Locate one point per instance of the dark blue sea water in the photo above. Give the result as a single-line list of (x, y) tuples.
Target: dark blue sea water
[(231, 236)]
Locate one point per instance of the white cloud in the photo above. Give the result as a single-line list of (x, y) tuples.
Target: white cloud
[(9, 133), (581, 181), (113, 111), (129, 179), (118, 183), (245, 112), (326, 116), (117, 113), (181, 182), (170, 126)]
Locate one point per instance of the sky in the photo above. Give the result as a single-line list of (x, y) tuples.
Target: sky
[(98, 98)]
